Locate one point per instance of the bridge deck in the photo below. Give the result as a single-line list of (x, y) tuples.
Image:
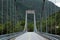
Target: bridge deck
[(30, 36)]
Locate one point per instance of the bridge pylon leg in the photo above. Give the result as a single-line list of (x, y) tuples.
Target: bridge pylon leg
[(25, 29), (35, 28)]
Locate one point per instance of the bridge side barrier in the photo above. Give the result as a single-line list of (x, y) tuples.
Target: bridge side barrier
[(5, 35), (56, 36), (9, 36), (47, 36)]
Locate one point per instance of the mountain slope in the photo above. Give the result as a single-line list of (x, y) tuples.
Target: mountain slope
[(22, 6), (37, 6)]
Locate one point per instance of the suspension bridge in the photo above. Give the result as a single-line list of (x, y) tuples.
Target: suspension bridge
[(35, 35), (25, 35)]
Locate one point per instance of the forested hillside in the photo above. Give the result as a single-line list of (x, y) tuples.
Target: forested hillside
[(53, 23), (12, 14)]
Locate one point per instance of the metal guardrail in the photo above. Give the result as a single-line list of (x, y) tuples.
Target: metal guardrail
[(49, 36), (55, 36), (10, 36), (5, 35)]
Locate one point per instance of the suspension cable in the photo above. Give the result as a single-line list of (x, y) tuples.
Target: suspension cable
[(7, 17), (14, 8), (55, 20), (2, 17), (41, 16)]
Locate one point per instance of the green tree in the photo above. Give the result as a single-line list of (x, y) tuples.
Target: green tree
[(19, 26), (8, 27), (1, 28)]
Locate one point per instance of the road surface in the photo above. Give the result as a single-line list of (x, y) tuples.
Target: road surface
[(30, 36)]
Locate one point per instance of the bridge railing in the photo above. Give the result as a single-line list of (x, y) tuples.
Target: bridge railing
[(10, 36), (56, 36), (49, 36)]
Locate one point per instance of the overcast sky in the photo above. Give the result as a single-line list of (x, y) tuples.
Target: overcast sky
[(57, 2)]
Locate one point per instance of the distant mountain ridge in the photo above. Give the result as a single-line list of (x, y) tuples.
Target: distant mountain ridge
[(37, 6), (23, 5)]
